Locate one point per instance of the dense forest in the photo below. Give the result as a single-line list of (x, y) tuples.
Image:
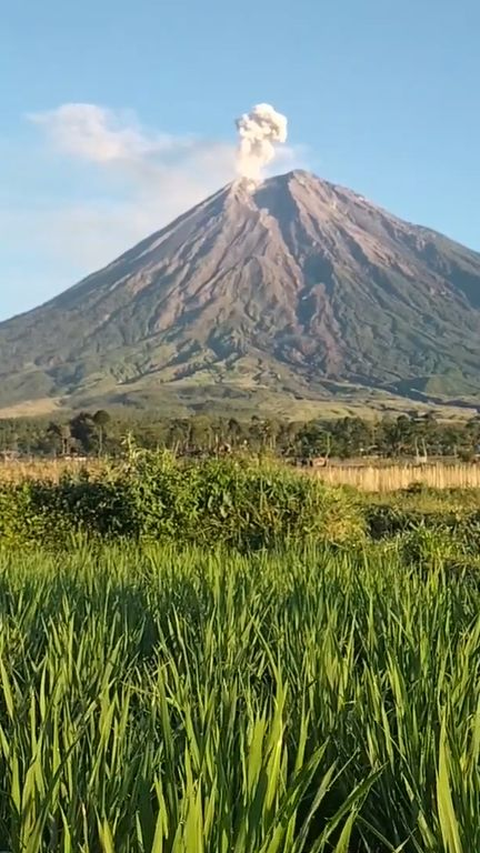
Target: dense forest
[(102, 433)]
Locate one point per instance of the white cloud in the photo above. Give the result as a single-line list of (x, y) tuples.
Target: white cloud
[(99, 134)]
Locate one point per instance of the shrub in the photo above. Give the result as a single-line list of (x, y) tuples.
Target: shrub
[(154, 497)]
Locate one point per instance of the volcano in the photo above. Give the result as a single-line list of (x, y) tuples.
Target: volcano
[(292, 286)]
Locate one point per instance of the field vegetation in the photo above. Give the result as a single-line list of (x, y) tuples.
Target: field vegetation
[(231, 656)]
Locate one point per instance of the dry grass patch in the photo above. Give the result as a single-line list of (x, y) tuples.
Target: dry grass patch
[(51, 470), (393, 478)]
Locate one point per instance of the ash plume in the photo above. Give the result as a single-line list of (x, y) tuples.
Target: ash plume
[(259, 131)]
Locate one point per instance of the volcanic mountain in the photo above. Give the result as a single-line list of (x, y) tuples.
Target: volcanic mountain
[(292, 286)]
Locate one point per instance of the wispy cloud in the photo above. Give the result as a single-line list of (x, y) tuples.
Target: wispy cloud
[(101, 135)]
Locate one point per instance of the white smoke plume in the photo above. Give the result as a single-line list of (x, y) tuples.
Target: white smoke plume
[(259, 130)]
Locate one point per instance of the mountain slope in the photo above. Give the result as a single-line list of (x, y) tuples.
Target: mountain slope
[(293, 285)]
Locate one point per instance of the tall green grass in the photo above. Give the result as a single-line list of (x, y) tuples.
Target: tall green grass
[(178, 700)]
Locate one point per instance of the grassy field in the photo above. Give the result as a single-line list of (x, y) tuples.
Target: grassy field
[(164, 699), (246, 398), (237, 658)]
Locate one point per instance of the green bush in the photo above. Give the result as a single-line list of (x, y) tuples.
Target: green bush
[(154, 497)]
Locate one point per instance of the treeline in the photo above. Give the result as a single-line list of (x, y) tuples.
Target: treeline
[(101, 433)]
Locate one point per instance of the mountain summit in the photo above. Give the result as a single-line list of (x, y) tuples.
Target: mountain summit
[(292, 285)]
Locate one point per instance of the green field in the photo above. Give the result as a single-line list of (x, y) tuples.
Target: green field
[(219, 673)]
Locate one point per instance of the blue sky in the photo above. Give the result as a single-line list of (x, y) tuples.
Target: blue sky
[(380, 96)]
